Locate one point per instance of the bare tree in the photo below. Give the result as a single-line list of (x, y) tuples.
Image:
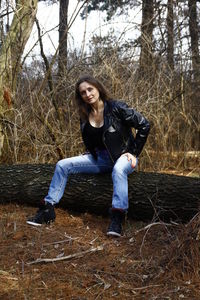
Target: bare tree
[(11, 52), (193, 28), (63, 28), (146, 35), (170, 34)]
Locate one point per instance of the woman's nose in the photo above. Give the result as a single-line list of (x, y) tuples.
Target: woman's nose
[(87, 93)]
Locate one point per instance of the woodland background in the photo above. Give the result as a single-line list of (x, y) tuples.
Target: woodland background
[(158, 73)]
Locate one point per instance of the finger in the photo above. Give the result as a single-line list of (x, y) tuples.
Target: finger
[(134, 161), (133, 165)]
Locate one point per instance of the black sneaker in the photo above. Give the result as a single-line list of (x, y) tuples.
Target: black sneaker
[(115, 227), (44, 215)]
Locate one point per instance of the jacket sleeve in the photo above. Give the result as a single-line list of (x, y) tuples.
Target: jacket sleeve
[(131, 118)]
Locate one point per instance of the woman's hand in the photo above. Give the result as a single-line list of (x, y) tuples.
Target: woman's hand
[(130, 157)]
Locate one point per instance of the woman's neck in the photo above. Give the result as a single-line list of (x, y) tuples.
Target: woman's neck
[(96, 114), (97, 107)]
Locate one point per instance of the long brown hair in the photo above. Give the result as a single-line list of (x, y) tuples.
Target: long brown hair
[(84, 108)]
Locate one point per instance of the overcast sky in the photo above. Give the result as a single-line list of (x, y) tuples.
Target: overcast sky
[(48, 16)]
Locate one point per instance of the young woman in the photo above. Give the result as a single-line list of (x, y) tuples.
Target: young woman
[(106, 127)]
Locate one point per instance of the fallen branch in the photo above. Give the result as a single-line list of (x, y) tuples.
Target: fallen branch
[(78, 254), (69, 239), (154, 224), (146, 287)]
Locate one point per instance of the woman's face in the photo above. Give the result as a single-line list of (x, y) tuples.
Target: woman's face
[(89, 93)]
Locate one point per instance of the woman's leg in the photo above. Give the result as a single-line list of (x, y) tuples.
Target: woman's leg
[(74, 165), (121, 170)]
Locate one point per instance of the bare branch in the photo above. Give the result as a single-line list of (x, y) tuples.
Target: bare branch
[(75, 255)]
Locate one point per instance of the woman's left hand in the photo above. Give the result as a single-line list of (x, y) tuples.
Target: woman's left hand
[(130, 157)]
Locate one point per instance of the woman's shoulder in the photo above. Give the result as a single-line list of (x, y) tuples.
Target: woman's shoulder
[(115, 104)]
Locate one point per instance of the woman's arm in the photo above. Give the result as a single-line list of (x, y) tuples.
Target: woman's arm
[(131, 118)]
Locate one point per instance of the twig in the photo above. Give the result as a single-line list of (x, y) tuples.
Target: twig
[(196, 216), (156, 223), (61, 242), (78, 254), (146, 287), (147, 228), (7, 275), (93, 240)]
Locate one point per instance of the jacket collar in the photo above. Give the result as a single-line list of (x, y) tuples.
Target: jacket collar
[(107, 114)]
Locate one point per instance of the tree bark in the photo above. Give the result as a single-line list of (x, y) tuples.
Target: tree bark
[(10, 55), (151, 195), (146, 36), (170, 34), (194, 35), (63, 36)]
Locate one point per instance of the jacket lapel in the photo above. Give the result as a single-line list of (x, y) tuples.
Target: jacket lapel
[(107, 115)]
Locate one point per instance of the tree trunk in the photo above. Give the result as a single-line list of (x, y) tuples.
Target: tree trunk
[(11, 52), (63, 35), (170, 34), (146, 37), (150, 194), (193, 27)]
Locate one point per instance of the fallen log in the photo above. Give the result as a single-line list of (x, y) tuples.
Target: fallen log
[(151, 195)]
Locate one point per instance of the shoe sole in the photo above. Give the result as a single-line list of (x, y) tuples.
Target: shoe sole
[(33, 223), (113, 233)]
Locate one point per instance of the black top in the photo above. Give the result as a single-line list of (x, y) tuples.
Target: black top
[(119, 119), (95, 136)]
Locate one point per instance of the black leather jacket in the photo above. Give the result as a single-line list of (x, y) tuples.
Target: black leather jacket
[(119, 119)]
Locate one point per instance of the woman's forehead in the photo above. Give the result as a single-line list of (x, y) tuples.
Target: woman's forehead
[(85, 85)]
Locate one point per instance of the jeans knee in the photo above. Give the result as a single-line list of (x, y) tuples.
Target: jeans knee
[(61, 166)]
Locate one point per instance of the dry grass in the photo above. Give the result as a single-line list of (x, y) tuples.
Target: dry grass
[(45, 125), (159, 261)]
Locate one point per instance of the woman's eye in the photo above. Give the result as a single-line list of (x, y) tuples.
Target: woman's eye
[(83, 93)]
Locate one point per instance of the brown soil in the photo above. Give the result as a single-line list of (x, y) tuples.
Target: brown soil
[(161, 261)]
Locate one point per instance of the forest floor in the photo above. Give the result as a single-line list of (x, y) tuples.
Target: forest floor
[(150, 261)]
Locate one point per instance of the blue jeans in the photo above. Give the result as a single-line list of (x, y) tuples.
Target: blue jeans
[(86, 164)]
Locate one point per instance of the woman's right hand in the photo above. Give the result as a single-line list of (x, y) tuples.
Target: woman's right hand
[(130, 157)]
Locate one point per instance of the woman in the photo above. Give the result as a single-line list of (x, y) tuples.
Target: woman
[(106, 127)]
